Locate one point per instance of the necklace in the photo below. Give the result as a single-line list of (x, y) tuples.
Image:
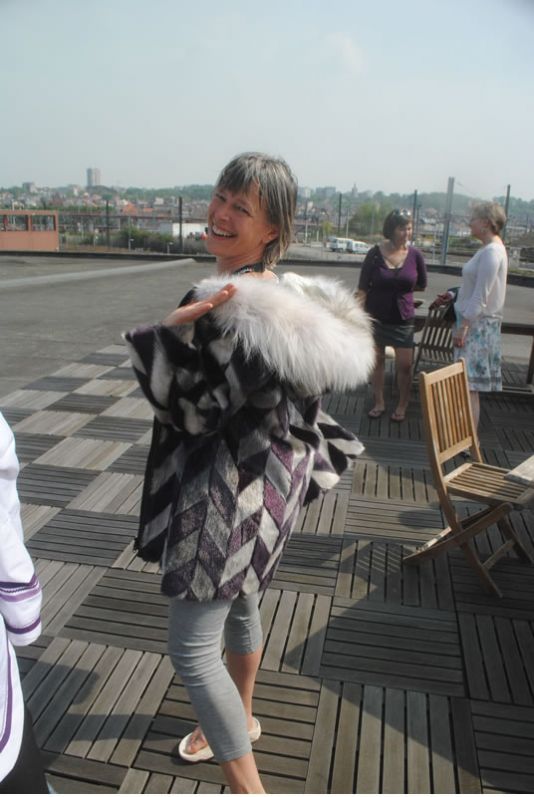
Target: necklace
[(258, 267)]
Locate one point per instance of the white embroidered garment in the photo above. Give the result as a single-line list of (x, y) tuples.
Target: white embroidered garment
[(20, 603)]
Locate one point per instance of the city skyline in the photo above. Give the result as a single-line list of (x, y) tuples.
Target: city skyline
[(393, 97)]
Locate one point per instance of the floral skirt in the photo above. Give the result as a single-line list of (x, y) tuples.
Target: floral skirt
[(482, 354)]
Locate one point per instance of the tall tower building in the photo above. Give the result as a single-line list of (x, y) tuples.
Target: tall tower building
[(93, 177)]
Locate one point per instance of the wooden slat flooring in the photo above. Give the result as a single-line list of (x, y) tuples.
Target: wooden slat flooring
[(127, 429), (376, 677), (132, 461), (52, 486), (79, 402), (31, 446)]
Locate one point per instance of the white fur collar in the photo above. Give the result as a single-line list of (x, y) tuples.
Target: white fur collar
[(309, 330)]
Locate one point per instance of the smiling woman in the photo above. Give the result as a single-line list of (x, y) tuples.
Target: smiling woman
[(252, 208), (240, 443)]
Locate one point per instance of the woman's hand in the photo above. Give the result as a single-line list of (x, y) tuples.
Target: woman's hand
[(190, 312), (441, 299), (459, 336)]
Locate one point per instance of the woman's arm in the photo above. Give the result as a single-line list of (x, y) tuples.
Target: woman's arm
[(421, 283), (20, 592), (487, 269), (194, 388), (365, 280)]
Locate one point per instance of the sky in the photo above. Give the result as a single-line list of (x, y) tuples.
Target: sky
[(385, 95)]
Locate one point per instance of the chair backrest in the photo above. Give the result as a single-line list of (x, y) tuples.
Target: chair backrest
[(447, 416), (435, 346)]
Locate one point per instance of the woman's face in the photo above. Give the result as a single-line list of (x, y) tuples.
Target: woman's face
[(238, 228), (402, 235), (479, 227)]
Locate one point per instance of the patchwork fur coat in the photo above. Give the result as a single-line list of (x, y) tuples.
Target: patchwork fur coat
[(240, 442)]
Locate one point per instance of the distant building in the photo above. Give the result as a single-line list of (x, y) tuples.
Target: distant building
[(26, 230), (93, 177), (30, 188), (190, 229), (326, 191)]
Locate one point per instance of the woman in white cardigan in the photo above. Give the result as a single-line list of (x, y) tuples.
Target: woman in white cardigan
[(21, 769), (479, 304)]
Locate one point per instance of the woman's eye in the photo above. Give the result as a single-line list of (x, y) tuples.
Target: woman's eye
[(242, 209)]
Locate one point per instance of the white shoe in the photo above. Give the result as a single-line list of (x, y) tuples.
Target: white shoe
[(206, 753)]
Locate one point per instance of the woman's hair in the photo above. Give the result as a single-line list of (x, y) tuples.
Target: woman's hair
[(491, 212), (397, 218), (277, 188)]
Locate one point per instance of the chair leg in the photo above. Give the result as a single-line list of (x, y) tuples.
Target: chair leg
[(477, 565), (506, 528)]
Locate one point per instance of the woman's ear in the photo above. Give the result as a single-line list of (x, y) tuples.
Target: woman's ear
[(271, 235)]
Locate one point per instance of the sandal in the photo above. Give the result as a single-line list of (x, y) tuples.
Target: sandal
[(398, 417), (376, 413), (206, 753)]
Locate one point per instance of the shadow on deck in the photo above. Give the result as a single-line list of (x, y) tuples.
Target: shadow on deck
[(375, 677)]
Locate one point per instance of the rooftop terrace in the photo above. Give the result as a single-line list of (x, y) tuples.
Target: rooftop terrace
[(375, 677)]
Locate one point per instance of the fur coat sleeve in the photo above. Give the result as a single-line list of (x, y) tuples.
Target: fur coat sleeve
[(308, 335)]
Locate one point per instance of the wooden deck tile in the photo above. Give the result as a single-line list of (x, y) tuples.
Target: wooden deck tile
[(29, 654), (374, 740), (65, 585), (107, 387), (127, 429), (14, 414), (130, 408), (132, 461), (499, 658), (309, 564), (74, 452), (80, 402), (63, 384), (129, 560), (105, 358), (52, 486), (31, 446), (82, 370), (27, 399), (326, 514), (122, 372), (411, 454), (70, 774), (113, 348), (118, 493), (92, 538), (504, 737), (392, 482), (124, 608), (393, 646), (519, 439), (373, 570), (513, 577), (294, 628), (53, 423), (389, 520)]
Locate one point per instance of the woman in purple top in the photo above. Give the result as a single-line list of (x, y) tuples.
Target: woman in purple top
[(390, 273)]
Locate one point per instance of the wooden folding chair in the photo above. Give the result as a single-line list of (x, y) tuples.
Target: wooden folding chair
[(449, 430), (435, 347)]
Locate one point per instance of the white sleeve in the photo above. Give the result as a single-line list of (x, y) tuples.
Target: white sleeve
[(486, 275), (20, 592)]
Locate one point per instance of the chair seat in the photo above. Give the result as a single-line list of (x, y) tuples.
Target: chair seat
[(487, 483)]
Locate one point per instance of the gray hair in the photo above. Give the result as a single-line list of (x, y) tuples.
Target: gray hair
[(491, 212), (277, 188)]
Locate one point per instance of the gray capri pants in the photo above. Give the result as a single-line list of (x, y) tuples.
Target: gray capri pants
[(195, 634)]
